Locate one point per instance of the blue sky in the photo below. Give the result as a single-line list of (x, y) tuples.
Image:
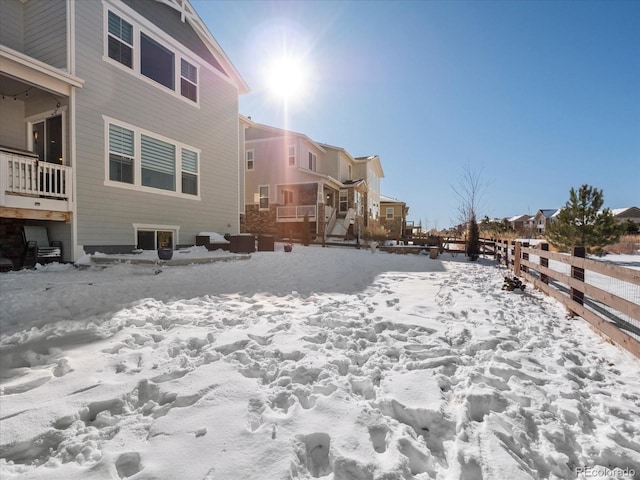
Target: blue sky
[(535, 97)]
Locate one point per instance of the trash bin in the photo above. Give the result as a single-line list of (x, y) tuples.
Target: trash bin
[(433, 252), (266, 243), (243, 243)]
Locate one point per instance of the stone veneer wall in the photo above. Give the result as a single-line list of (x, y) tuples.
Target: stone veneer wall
[(260, 221)]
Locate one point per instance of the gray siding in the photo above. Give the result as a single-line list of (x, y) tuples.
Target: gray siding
[(168, 19), (11, 32), (45, 31), (105, 214), (12, 132)]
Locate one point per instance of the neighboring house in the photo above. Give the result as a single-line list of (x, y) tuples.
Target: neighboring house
[(394, 217), (520, 224), (119, 125), (623, 215), (541, 219), (288, 176)]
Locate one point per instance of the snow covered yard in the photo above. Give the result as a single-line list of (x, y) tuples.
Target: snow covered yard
[(321, 363)]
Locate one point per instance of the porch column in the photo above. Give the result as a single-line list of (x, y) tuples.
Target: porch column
[(320, 209)]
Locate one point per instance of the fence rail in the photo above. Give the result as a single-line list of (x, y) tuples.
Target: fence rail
[(605, 295), (296, 212)]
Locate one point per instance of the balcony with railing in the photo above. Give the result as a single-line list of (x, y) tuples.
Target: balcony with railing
[(296, 213), (26, 183)]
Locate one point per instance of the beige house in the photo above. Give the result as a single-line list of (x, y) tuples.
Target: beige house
[(520, 224), (394, 216), (538, 223), (288, 176)]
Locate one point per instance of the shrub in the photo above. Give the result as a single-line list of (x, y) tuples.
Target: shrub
[(627, 245), (375, 231)]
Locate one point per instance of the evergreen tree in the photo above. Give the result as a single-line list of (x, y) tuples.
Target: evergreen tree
[(582, 223), (473, 239)]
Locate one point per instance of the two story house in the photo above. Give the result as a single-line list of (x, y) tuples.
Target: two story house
[(538, 223), (289, 176), (120, 125), (394, 217)]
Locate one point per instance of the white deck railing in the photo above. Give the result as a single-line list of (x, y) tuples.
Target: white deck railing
[(295, 212), (24, 175)]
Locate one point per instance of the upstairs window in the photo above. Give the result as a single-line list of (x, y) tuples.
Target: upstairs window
[(389, 213), (156, 62), (264, 197), (157, 58), (292, 155), (188, 80), (250, 163), (120, 39), (121, 154), (312, 161)]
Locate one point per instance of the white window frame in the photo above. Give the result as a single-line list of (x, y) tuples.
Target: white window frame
[(291, 156), (135, 70), (250, 163), (313, 161), (261, 197), (42, 117), (343, 199), (146, 227), (137, 162), (389, 214)]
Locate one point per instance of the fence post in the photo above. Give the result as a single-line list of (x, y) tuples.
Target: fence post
[(525, 256), (578, 274), (512, 247), (516, 259), (504, 246), (544, 262)]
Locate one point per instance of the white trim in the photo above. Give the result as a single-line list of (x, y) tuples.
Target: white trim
[(282, 136), (137, 180), (253, 160), (42, 117), (188, 13), (389, 210), (153, 227), (19, 65), (295, 155), (71, 36)]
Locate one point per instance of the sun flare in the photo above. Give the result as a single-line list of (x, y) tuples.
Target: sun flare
[(287, 78)]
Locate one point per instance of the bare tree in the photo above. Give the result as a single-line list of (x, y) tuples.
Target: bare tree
[(469, 191)]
